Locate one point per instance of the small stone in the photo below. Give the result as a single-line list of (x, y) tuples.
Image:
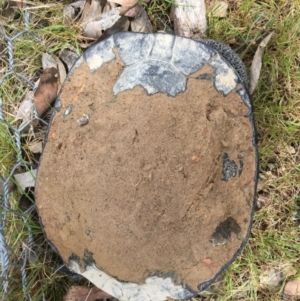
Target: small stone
[(207, 261), (180, 168), (83, 120)]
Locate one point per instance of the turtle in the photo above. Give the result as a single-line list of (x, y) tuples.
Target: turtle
[(146, 184)]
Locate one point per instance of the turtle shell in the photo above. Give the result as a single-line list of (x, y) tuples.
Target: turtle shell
[(147, 181)]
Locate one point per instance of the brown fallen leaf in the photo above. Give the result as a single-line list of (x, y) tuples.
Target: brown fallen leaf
[(141, 22), (292, 288), (257, 63), (82, 293), (189, 18), (46, 91)]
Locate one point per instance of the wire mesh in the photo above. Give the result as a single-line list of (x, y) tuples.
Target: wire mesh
[(8, 262)]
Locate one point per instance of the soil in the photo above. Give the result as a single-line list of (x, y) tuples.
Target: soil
[(151, 185)]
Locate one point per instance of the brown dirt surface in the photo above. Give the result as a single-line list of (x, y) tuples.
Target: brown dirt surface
[(141, 186)]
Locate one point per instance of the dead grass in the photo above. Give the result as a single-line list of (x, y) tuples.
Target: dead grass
[(275, 235)]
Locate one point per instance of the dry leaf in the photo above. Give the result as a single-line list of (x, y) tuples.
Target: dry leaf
[(219, 9), (82, 293), (26, 108), (141, 22), (96, 26), (25, 179), (292, 288), (73, 11), (132, 13), (189, 18), (36, 147), (91, 10), (69, 57), (271, 279), (121, 25), (48, 61), (257, 63), (126, 4), (62, 74), (46, 91)]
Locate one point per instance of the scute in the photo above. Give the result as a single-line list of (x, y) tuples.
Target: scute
[(162, 48), (189, 56), (99, 54), (133, 48), (154, 76)]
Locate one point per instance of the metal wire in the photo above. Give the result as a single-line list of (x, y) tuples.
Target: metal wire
[(6, 259)]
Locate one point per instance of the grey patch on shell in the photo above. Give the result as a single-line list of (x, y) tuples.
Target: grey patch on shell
[(154, 288), (153, 76), (226, 78), (99, 54), (206, 76), (245, 97), (222, 233), (189, 56), (204, 285), (229, 168), (231, 57), (57, 104), (162, 48), (77, 64), (133, 47)]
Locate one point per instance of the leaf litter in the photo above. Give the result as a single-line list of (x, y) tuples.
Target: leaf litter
[(257, 63)]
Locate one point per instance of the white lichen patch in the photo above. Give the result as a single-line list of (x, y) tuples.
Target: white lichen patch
[(99, 54), (226, 79), (154, 288)]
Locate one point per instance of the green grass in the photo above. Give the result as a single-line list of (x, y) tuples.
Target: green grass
[(275, 235), (8, 153)]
